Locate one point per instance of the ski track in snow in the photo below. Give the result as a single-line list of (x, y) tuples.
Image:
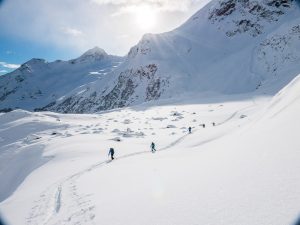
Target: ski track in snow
[(58, 200), (50, 202), (49, 208), (236, 112), (176, 142)]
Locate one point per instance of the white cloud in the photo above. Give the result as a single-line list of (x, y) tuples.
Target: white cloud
[(123, 36), (159, 5), (77, 25), (3, 71), (72, 31), (9, 66), (9, 52)]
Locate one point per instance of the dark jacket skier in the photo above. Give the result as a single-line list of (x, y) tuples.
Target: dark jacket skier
[(111, 153), (190, 130), (152, 146)]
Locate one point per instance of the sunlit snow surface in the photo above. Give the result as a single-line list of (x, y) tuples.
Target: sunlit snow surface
[(54, 168)]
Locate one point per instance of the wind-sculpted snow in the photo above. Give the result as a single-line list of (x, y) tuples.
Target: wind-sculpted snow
[(288, 97), (18, 157)]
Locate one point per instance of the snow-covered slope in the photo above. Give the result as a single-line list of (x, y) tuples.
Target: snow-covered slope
[(228, 47), (37, 82), (243, 171)]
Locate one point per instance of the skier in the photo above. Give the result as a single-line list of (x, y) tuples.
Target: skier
[(214, 124), (111, 153), (190, 130), (152, 146)]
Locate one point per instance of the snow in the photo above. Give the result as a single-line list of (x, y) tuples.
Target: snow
[(243, 171)]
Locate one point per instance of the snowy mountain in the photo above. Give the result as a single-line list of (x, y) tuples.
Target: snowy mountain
[(231, 73), (37, 82), (228, 47)]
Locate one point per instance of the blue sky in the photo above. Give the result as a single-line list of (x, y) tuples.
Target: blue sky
[(64, 29)]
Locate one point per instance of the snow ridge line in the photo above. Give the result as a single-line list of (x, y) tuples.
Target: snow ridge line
[(175, 142), (235, 113)]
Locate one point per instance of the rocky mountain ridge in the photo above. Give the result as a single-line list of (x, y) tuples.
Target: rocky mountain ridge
[(38, 82), (227, 47)]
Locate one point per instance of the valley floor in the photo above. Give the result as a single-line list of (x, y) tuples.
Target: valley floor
[(244, 170)]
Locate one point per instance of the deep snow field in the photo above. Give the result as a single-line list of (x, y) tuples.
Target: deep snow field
[(54, 168)]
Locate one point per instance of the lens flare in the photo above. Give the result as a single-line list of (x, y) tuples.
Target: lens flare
[(146, 17)]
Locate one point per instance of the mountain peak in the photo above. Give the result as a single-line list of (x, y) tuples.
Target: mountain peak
[(94, 54), (32, 63), (36, 61), (96, 51)]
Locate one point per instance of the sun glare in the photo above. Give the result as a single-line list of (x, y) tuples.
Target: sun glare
[(145, 17)]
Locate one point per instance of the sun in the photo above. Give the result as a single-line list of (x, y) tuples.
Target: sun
[(146, 17)]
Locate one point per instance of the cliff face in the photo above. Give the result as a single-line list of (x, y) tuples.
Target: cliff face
[(123, 93), (249, 16)]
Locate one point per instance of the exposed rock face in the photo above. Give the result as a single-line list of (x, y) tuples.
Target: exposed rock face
[(141, 84), (143, 47), (279, 51), (252, 13)]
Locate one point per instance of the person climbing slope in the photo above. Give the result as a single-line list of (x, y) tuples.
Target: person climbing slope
[(111, 153), (152, 146), (190, 130)]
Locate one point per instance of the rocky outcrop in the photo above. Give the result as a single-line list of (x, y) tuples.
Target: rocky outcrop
[(252, 14), (279, 51), (132, 85)]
